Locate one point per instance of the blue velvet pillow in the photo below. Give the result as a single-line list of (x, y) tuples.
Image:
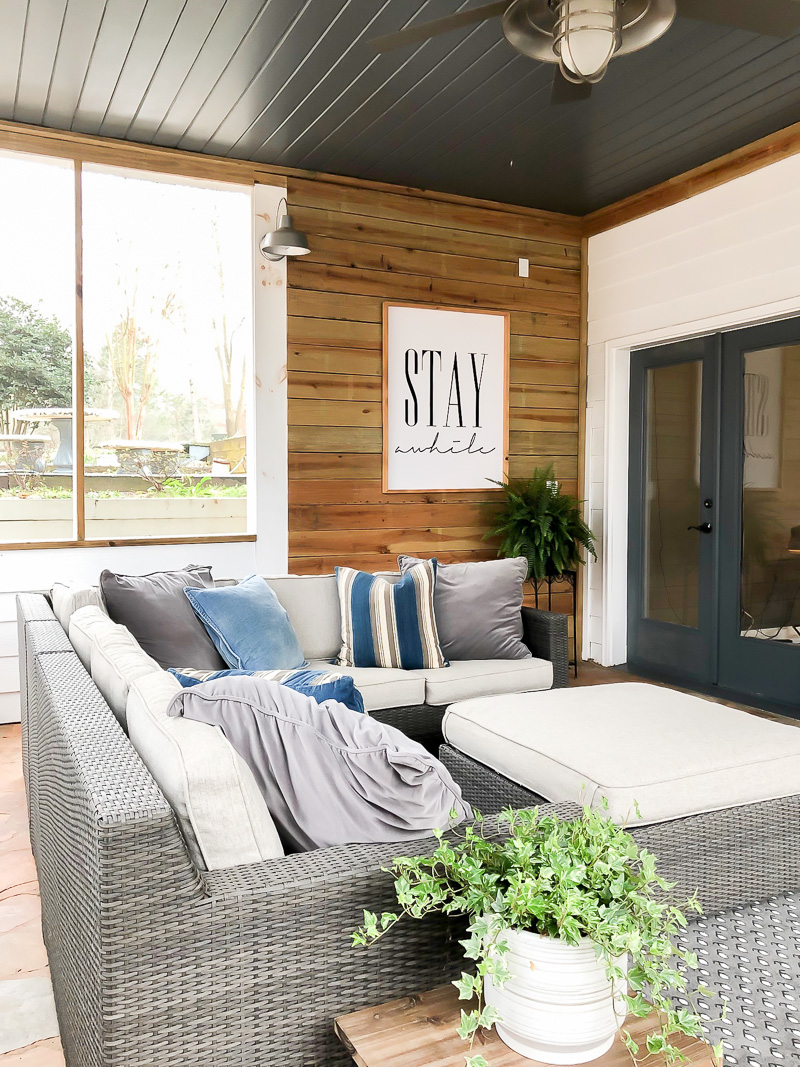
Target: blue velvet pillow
[(248, 625), (319, 685)]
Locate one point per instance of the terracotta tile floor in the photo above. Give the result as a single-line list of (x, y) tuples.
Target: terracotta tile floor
[(22, 954), (24, 983)]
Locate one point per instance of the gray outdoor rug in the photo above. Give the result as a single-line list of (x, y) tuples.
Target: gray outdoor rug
[(752, 956)]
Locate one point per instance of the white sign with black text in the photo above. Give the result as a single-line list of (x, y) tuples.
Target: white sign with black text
[(445, 398)]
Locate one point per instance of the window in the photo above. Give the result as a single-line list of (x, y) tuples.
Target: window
[(37, 345), (164, 356)]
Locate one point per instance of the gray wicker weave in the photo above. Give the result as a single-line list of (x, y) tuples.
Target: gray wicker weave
[(546, 635), (484, 788), (158, 964), (422, 722), (731, 857), (751, 955)]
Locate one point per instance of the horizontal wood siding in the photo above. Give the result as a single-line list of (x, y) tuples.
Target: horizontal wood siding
[(370, 245)]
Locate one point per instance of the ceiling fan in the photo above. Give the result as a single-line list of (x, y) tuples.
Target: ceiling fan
[(583, 36)]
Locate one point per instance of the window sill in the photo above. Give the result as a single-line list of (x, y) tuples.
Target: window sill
[(120, 542)]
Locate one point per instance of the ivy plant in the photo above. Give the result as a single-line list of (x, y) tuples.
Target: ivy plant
[(564, 878), (540, 522)]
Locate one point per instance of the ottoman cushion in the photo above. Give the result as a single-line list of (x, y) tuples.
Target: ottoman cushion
[(670, 753)]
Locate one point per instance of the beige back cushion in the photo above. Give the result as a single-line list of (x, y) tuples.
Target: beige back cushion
[(81, 627), (69, 597), (111, 654), (312, 603), (117, 661), (211, 789), (310, 600)]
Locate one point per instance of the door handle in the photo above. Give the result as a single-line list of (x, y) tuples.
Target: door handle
[(704, 527)]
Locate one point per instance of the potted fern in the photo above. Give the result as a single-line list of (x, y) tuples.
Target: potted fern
[(542, 523)]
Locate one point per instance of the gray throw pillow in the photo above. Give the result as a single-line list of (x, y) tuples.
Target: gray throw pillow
[(155, 610), (478, 608), (329, 776)]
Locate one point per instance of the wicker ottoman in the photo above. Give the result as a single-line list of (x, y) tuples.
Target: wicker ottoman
[(718, 788)]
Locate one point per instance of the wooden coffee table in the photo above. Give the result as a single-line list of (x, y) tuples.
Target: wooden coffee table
[(421, 1030)]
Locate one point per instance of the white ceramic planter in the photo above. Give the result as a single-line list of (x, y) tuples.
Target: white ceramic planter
[(558, 1006)]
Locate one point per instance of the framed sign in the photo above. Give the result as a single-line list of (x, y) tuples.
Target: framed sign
[(445, 398)]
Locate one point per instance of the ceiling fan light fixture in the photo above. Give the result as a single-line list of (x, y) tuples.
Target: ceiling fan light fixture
[(586, 36)]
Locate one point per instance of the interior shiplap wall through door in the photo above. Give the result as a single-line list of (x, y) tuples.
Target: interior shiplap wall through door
[(374, 244)]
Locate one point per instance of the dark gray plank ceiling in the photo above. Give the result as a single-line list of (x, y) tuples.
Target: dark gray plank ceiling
[(295, 82)]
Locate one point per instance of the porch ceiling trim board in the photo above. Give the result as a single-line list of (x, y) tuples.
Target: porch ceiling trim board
[(746, 160)]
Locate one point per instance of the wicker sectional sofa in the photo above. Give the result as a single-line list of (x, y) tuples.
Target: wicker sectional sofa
[(413, 701), (157, 963)]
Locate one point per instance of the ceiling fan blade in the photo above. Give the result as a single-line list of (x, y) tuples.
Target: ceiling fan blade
[(565, 92), (417, 34), (770, 18)]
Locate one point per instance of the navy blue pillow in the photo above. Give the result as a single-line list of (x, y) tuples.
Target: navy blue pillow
[(319, 685)]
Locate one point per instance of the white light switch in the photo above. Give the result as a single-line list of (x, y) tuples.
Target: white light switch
[(524, 268)]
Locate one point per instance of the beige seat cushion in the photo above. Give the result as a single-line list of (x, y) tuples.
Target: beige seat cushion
[(69, 597), (670, 753), (381, 687), (485, 677), (219, 807)]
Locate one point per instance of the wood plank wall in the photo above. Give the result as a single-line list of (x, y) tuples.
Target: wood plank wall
[(370, 245)]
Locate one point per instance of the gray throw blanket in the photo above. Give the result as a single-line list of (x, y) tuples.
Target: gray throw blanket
[(328, 775)]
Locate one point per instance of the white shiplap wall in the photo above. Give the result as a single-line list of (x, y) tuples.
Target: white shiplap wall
[(726, 257), (35, 569)]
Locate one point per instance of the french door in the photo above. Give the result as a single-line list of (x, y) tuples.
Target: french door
[(714, 520)]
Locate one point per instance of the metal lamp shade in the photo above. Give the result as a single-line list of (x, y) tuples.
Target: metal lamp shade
[(284, 241), (794, 539)]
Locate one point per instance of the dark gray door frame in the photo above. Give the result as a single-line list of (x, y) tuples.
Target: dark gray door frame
[(654, 646), (767, 669)]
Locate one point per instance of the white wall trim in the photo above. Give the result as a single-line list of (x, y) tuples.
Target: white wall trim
[(268, 437)]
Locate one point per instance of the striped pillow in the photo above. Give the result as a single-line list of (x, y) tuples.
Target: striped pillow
[(386, 624)]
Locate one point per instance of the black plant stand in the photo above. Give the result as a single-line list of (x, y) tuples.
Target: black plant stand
[(540, 585)]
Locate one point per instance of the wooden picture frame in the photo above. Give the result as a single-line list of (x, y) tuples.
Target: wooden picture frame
[(491, 440)]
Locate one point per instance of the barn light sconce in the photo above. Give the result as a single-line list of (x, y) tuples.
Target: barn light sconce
[(794, 540), (284, 240)]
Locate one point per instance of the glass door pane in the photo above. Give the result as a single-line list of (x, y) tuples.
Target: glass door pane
[(770, 567), (672, 525), (673, 439)]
